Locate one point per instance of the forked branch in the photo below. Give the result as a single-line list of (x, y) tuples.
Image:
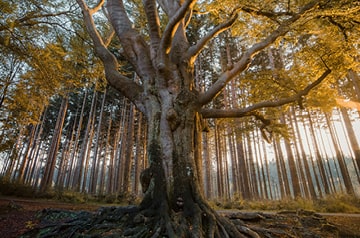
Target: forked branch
[(196, 49), (97, 7), (128, 88), (171, 27), (248, 111)]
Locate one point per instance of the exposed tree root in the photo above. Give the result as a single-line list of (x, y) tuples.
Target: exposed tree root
[(132, 222)]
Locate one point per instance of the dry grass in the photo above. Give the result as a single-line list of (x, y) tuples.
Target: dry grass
[(336, 203)]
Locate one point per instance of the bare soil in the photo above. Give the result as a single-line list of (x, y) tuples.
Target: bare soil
[(18, 216)]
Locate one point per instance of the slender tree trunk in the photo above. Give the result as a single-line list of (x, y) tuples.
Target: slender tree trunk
[(94, 170), (234, 164), (47, 179), (80, 161), (120, 156), (340, 159), (308, 181), (327, 162), (128, 154), (219, 163), (351, 135), (138, 165), (257, 165), (13, 155), (27, 155), (310, 160), (355, 79), (243, 168), (208, 167), (252, 169), (292, 165), (262, 163), (282, 171), (84, 184), (112, 166), (33, 167), (319, 160), (59, 181), (74, 174), (105, 171)]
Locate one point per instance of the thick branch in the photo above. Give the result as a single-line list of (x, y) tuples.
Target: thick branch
[(118, 17), (196, 49), (153, 25), (127, 87), (135, 49), (245, 60), (171, 27), (248, 111)]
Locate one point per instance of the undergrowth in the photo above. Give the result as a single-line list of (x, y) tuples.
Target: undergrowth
[(16, 189), (335, 203)]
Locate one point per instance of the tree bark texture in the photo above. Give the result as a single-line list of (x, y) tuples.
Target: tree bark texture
[(172, 106)]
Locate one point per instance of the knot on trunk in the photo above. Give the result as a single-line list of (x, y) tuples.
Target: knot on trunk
[(180, 203), (186, 98), (172, 118)]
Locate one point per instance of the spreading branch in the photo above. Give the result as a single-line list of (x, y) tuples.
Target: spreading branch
[(127, 87), (245, 60), (271, 15), (249, 111), (31, 19), (196, 49)]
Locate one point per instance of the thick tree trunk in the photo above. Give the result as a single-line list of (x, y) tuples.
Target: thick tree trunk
[(173, 198)]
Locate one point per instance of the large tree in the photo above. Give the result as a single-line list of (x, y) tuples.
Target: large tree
[(163, 57)]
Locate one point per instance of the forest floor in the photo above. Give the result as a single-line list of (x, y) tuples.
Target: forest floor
[(19, 215)]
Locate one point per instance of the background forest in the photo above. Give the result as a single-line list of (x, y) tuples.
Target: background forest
[(62, 128)]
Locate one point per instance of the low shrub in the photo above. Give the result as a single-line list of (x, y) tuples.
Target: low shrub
[(9, 188), (343, 203)]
